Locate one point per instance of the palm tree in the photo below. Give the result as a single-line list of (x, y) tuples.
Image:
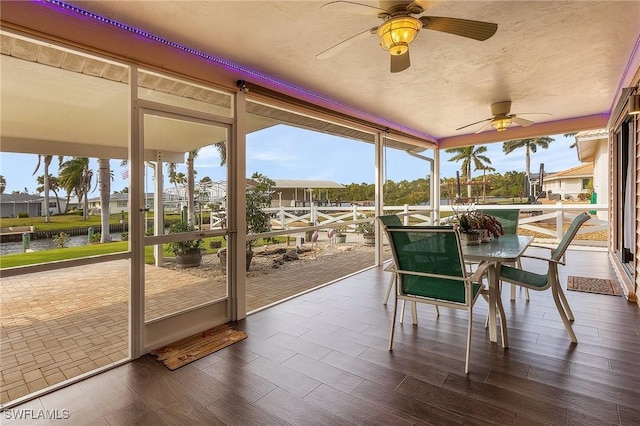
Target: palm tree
[(222, 150), (47, 161), (54, 186), (3, 184), (104, 185), (485, 169), (530, 144), (191, 207), (75, 177), (177, 178), (575, 142), (469, 156)]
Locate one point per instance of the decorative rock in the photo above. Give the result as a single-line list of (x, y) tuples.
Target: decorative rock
[(290, 255)]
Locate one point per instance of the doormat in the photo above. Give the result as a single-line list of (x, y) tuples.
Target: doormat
[(594, 285), (197, 346)]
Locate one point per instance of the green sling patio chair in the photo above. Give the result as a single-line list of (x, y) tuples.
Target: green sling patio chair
[(509, 220), (393, 220), (430, 269), (389, 220), (549, 280)]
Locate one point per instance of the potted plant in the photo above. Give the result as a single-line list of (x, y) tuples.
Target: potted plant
[(491, 226), (258, 221), (368, 231), (476, 226), (339, 233), (188, 253)]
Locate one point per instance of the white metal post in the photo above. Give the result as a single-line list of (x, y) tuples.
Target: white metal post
[(379, 193), (559, 221), (236, 213), (136, 222)]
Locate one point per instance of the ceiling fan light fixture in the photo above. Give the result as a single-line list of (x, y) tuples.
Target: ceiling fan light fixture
[(501, 124), (396, 33)]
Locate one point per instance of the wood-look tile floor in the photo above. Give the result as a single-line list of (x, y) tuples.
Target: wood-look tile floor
[(322, 358)]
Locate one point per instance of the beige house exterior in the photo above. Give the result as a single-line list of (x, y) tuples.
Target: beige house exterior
[(569, 184), (593, 147), (300, 193)]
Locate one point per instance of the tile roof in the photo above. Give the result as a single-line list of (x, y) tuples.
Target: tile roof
[(578, 171), (298, 183)]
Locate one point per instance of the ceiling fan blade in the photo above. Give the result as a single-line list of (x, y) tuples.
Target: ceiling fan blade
[(476, 30), (521, 121), (484, 126), (352, 7), (472, 124), (400, 62), (423, 4), (345, 43)]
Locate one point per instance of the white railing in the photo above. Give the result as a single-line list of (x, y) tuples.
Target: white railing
[(547, 221)]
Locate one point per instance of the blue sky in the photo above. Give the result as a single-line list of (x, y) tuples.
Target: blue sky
[(283, 152)]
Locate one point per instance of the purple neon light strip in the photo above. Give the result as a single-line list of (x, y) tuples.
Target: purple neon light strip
[(230, 65)]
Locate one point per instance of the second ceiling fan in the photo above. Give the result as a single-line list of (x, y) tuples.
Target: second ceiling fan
[(401, 27), (502, 118)]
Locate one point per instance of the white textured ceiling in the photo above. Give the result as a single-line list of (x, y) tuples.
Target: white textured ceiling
[(565, 58)]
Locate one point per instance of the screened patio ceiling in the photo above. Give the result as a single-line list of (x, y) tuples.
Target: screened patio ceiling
[(40, 79), (568, 59)]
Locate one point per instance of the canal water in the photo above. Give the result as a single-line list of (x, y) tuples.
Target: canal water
[(48, 244)]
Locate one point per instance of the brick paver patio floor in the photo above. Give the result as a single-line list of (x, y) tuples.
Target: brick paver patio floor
[(59, 324)]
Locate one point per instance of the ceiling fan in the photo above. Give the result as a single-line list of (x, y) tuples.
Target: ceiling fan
[(401, 27), (502, 118)]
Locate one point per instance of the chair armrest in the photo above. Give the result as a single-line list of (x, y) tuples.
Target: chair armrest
[(543, 258), (482, 269), (551, 249), (542, 247), (390, 268)]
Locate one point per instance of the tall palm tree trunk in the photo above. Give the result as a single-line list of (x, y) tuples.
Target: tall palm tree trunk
[(104, 186), (469, 180), (47, 160), (191, 208)]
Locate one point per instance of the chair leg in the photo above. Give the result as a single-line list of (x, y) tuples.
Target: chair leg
[(513, 292), (437, 311), (468, 351), (414, 313), (563, 299), (393, 322), (526, 290), (402, 311), (389, 287), (565, 304), (503, 322), (562, 313)]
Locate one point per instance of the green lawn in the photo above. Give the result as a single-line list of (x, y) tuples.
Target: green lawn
[(66, 253), (69, 221)]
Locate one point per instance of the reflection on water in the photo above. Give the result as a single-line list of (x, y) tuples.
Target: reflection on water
[(47, 244)]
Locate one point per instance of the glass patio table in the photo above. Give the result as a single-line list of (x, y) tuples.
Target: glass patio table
[(507, 248)]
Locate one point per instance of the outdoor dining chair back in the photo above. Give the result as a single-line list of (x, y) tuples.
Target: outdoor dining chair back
[(430, 269), (508, 218), (549, 280), (389, 220), (393, 220)]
